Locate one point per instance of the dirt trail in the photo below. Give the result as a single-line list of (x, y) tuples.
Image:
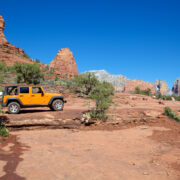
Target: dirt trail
[(73, 154), (136, 142)]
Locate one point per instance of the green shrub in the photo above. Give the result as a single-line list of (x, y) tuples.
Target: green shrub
[(146, 92), (97, 114), (85, 83), (28, 73), (1, 78), (102, 95), (4, 131), (168, 112), (37, 61), (3, 67), (56, 78), (168, 98), (26, 56)]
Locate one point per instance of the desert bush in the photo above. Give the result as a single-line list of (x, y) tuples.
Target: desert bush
[(84, 83), (37, 61), (170, 113), (3, 130), (26, 55), (28, 73), (56, 78), (102, 95), (168, 98), (1, 78), (3, 67), (146, 92)]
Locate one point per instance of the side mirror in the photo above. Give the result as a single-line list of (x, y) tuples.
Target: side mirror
[(42, 93)]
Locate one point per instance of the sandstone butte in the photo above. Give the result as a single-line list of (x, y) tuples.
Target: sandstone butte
[(64, 63), (176, 87), (161, 87)]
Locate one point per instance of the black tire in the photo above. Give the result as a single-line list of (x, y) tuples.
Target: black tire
[(13, 108), (57, 105), (51, 108)]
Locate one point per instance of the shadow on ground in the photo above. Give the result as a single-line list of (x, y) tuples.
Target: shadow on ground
[(12, 157)]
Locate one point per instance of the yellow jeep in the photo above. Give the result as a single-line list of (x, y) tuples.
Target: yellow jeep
[(22, 96)]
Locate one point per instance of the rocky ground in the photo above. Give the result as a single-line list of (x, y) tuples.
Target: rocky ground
[(136, 142)]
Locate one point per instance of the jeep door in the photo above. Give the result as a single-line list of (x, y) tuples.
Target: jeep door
[(37, 96), (24, 95)]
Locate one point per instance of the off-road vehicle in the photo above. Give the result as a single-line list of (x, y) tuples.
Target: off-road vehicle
[(23, 96)]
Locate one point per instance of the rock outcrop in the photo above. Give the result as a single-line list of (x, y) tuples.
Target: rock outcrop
[(131, 85), (176, 87), (118, 81), (64, 63), (161, 87), (2, 26), (9, 53)]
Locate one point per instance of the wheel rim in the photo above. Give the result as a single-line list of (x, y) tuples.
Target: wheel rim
[(58, 105), (13, 108)]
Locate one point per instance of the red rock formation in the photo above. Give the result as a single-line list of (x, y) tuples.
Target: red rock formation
[(161, 87), (176, 87), (2, 25), (9, 53), (131, 85), (64, 63)]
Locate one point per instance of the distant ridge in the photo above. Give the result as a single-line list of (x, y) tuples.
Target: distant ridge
[(123, 84)]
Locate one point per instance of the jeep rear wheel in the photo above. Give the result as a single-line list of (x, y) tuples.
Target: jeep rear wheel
[(57, 105), (13, 108)]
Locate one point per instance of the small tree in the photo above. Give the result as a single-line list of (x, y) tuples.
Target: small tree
[(102, 95), (56, 78), (85, 83), (146, 92), (137, 90), (3, 67), (28, 73)]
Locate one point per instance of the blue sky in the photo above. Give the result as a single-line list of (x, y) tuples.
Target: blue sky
[(136, 38)]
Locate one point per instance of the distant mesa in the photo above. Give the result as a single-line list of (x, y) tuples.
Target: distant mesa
[(64, 63), (131, 85), (118, 81), (123, 84)]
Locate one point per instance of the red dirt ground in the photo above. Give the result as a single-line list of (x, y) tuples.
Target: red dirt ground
[(136, 142)]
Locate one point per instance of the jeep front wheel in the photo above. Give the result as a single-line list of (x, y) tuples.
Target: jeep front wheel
[(57, 105), (13, 108)]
